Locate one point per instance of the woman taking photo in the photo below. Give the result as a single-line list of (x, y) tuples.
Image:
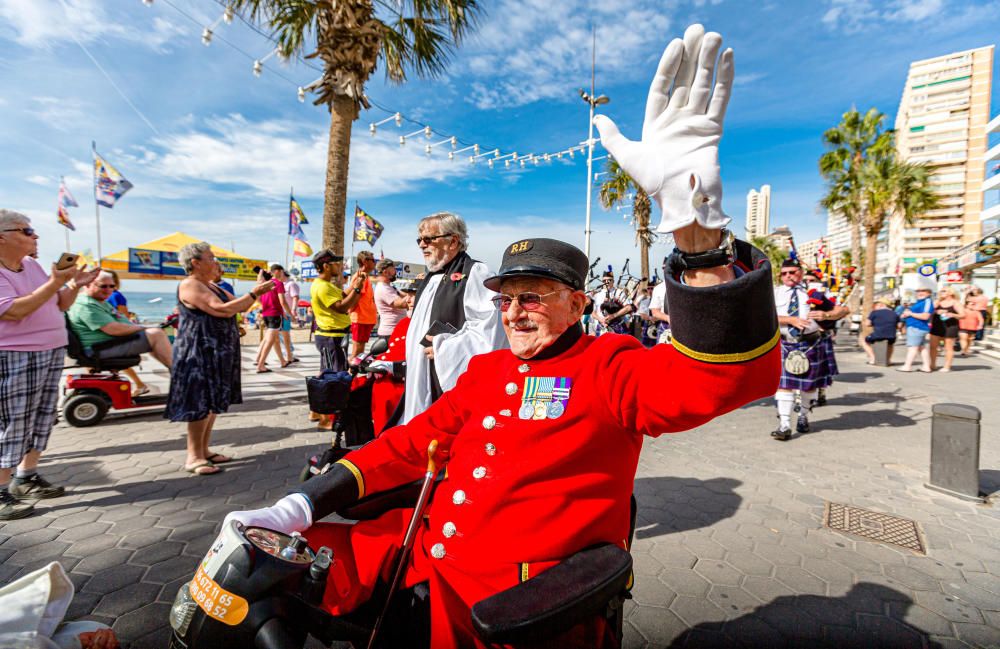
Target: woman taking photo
[(206, 375), (944, 326)]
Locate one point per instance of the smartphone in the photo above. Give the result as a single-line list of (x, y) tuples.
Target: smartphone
[(66, 260)]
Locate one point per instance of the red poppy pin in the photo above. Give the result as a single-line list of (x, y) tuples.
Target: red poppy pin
[(457, 277)]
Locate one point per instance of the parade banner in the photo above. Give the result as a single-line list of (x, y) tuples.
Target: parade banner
[(157, 262)]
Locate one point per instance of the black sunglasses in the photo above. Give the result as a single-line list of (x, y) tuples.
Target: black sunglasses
[(27, 231), (427, 240)]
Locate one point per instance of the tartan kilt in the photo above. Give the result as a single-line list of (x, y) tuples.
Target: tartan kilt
[(818, 375), (831, 358)]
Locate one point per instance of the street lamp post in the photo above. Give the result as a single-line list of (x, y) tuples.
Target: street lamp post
[(592, 102)]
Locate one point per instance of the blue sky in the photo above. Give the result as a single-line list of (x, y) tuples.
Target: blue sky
[(212, 150)]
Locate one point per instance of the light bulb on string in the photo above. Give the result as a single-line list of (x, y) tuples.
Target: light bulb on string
[(302, 94), (206, 37), (148, 3), (227, 15), (258, 68)]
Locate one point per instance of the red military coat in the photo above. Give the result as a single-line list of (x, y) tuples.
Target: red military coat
[(521, 494)]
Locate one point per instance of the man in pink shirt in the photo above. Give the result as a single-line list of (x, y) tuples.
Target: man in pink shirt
[(32, 349), (390, 303)]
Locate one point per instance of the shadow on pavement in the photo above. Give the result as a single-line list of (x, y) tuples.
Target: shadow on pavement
[(858, 620), (669, 504), (859, 419), (989, 481), (864, 398), (856, 377), (959, 367)]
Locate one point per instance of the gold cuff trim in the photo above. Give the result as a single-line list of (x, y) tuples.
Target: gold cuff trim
[(524, 572), (357, 475), (736, 357)]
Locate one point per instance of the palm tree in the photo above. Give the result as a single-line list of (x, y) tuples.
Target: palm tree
[(615, 191), (889, 186), (774, 253), (352, 37), (850, 143)]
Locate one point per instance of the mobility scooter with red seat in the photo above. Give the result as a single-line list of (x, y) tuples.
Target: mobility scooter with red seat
[(100, 388)]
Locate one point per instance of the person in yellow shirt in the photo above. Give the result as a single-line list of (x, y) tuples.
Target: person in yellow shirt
[(330, 304)]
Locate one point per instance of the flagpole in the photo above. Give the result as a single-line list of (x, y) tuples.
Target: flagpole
[(354, 233), (288, 239), (97, 207)]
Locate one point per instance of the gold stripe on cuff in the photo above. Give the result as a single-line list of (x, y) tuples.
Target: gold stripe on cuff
[(736, 357), (357, 475)]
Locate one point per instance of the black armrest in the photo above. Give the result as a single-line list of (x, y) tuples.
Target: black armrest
[(376, 504), (556, 600), (117, 340)]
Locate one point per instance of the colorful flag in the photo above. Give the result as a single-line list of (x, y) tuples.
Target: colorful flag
[(301, 247), (66, 200), (365, 227), (296, 217), (109, 184)]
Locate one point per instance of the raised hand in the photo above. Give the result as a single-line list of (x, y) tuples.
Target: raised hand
[(677, 160)]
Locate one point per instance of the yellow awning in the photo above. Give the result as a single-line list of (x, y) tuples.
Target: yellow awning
[(118, 262)]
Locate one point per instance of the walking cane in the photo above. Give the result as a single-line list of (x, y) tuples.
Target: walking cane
[(411, 533)]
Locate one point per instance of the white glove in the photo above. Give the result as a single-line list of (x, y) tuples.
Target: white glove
[(290, 514), (380, 367), (677, 161)]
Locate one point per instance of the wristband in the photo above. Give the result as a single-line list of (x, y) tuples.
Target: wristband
[(679, 261)]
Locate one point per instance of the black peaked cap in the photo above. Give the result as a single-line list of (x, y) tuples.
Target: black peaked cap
[(546, 258)]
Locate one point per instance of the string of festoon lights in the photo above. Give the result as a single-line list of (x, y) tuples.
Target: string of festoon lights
[(457, 149)]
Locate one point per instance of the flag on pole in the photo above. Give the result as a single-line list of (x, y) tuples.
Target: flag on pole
[(365, 227), (109, 184), (296, 217), (301, 248), (66, 200)]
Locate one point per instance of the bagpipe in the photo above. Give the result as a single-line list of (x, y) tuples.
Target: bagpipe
[(623, 295)]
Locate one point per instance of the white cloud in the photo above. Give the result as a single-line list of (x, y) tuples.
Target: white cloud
[(269, 156), (44, 181), (533, 50), (858, 15), (44, 23)]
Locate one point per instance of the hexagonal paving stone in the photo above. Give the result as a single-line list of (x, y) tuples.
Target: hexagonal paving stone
[(791, 620), (973, 595), (799, 580), (732, 600), (882, 631), (656, 625), (933, 568), (684, 582), (652, 592), (111, 579), (109, 558), (696, 610), (750, 564), (86, 531), (978, 635), (672, 555), (703, 548), (718, 572), (766, 589), (911, 577), (829, 571), (28, 539), (144, 538), (753, 631), (141, 621), (919, 617), (156, 553), (170, 569), (93, 545), (645, 565), (44, 552), (777, 555), (949, 607), (128, 598)]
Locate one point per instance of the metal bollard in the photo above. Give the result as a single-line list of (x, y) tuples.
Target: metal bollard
[(955, 451), (880, 348)]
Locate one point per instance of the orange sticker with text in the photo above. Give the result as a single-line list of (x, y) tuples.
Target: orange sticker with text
[(217, 602)]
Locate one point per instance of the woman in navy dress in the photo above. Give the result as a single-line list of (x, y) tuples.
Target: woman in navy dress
[(205, 378)]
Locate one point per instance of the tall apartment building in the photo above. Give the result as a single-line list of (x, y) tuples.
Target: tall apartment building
[(991, 186), (759, 212), (838, 235), (942, 121)]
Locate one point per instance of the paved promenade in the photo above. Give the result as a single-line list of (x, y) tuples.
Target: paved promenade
[(730, 548)]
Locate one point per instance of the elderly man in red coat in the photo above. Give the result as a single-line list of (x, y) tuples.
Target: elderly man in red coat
[(540, 442)]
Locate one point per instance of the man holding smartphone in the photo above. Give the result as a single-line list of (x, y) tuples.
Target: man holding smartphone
[(363, 314)]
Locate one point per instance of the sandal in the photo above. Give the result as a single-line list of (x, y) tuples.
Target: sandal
[(263, 371), (138, 392), (286, 364), (219, 458), (202, 467)]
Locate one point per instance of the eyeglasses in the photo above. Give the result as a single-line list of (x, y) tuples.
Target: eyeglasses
[(105, 286), (27, 231), (789, 272), (427, 240), (527, 301)]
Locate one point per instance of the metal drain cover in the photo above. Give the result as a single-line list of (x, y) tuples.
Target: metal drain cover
[(874, 526)]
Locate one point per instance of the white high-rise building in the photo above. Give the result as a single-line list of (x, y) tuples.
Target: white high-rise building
[(991, 186), (759, 212), (838, 235), (942, 122)]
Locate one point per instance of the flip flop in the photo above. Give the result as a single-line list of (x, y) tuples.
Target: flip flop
[(202, 467), (263, 371), (140, 391), (286, 364), (219, 458)]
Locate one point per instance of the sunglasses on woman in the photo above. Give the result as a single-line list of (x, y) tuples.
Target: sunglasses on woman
[(527, 301), (27, 231)]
